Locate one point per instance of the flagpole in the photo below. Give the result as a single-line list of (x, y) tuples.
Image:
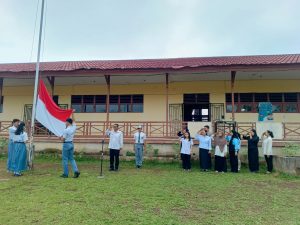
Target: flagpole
[(36, 82)]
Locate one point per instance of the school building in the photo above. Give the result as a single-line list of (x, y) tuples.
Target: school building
[(161, 94)]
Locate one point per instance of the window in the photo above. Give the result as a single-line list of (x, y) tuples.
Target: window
[(97, 103), (196, 98), (248, 102), (1, 105), (55, 99)]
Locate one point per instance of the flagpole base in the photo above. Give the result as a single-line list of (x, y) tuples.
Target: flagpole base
[(100, 177)]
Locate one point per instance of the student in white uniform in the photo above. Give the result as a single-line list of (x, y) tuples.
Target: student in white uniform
[(20, 151), (68, 149), (204, 150), (139, 145), (267, 149), (10, 152), (115, 146), (220, 144), (186, 150)]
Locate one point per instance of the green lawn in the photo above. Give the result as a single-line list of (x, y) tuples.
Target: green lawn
[(157, 194)]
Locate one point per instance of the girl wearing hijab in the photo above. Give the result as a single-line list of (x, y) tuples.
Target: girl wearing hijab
[(11, 131), (20, 151), (220, 144), (253, 159), (234, 148), (267, 149), (204, 150)]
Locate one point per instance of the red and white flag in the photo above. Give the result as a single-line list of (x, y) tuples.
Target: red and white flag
[(49, 114)]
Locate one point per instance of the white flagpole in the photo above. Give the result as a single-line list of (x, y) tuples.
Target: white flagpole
[(36, 82)]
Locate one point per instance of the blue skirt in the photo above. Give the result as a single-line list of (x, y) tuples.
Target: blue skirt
[(10, 156), (20, 157)]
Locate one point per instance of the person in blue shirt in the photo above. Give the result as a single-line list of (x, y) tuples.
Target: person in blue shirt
[(68, 149), (20, 151), (234, 148), (204, 150), (10, 152)]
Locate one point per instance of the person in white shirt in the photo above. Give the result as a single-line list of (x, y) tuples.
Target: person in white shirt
[(115, 146), (68, 149), (139, 145), (220, 144), (267, 149), (10, 152), (186, 150), (20, 151), (204, 150)]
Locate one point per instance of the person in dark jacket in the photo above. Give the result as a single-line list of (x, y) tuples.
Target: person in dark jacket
[(253, 158)]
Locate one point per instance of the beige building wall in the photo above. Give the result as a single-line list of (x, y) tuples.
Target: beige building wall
[(154, 98)]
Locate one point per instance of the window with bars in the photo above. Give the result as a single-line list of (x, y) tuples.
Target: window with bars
[(117, 103), (248, 102), (1, 105)]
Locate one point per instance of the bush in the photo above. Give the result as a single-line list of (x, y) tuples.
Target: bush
[(128, 153)]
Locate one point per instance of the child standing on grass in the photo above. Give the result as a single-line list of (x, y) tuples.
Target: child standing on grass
[(267, 149), (185, 151), (10, 152)]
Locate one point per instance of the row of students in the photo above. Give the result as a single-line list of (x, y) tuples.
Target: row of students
[(220, 143), (17, 152)]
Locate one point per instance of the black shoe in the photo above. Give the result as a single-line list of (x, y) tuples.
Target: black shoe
[(110, 169), (64, 176), (76, 174)]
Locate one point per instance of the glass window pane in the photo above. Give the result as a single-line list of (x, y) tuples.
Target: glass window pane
[(276, 108), (246, 97), (113, 108), (247, 107), (137, 108), (114, 99), (100, 108), (138, 98), (261, 97), (291, 107), (275, 97), (125, 108), (76, 99), (125, 98), (77, 107), (89, 108), (290, 97), (88, 98), (229, 107), (228, 97), (100, 99)]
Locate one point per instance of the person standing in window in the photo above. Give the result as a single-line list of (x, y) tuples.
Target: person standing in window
[(68, 149), (234, 148), (220, 144), (139, 146), (115, 146), (267, 149), (204, 150), (10, 152), (253, 157), (20, 151), (186, 150)]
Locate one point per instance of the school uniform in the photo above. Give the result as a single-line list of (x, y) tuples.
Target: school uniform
[(19, 159), (185, 152), (68, 149), (253, 156), (10, 152), (139, 138), (115, 144), (268, 152), (220, 159), (234, 147), (204, 151)]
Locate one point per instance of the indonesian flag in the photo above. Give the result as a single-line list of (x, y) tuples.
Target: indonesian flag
[(49, 114)]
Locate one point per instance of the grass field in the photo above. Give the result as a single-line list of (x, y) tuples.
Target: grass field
[(157, 194)]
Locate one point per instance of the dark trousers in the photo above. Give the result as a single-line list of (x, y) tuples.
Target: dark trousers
[(114, 159), (269, 161), (186, 161), (234, 162), (205, 159), (220, 164)]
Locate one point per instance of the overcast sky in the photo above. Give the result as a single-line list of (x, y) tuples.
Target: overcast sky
[(132, 29)]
